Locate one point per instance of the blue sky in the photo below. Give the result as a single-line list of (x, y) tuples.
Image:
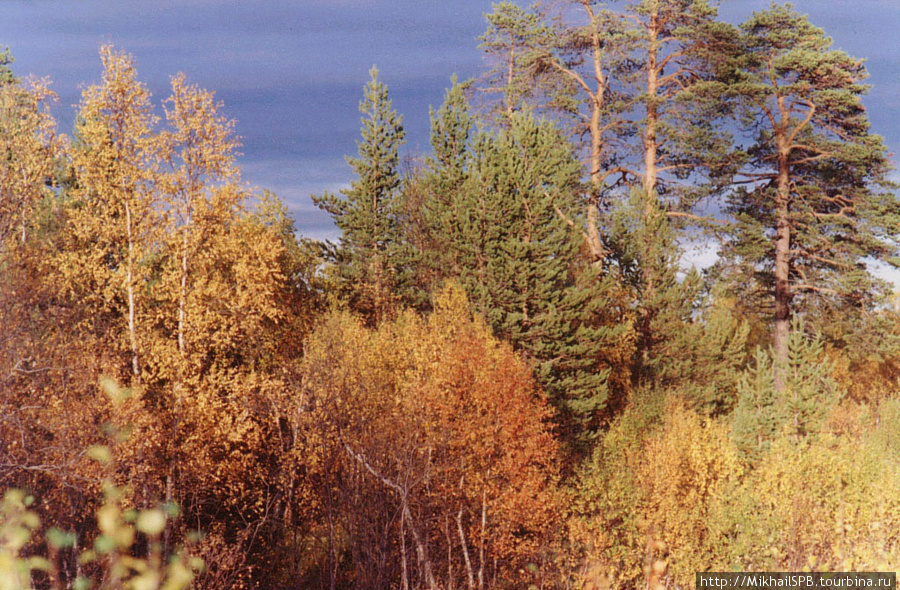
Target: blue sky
[(291, 72)]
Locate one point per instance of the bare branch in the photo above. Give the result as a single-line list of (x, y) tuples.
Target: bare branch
[(574, 75)]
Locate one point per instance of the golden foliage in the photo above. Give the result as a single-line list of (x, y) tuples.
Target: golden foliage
[(825, 505), (29, 145), (646, 504), (113, 219), (440, 422), (160, 274), (687, 467)]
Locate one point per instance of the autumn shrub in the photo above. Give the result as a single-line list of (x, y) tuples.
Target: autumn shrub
[(125, 549), (869, 378), (605, 491), (443, 467), (827, 503), (652, 491)]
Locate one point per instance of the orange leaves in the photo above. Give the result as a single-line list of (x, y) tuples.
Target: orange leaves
[(445, 420), (494, 423)]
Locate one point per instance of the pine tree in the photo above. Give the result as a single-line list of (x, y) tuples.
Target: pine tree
[(679, 71), (510, 41), (550, 65), (367, 212), (797, 409), (817, 202), (431, 201), (520, 254)]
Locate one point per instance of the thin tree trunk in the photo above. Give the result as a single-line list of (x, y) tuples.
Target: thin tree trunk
[(130, 288), (465, 549), (170, 496), (510, 69), (421, 552), (593, 205), (595, 243), (650, 141), (450, 582), (404, 573), (24, 226), (332, 545), (25, 188), (481, 548), (182, 300), (179, 384)]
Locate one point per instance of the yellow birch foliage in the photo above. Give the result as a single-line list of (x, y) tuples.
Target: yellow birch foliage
[(182, 288), (198, 186), (28, 145), (829, 504), (647, 503), (112, 216), (163, 276), (217, 307), (688, 467), (215, 391)]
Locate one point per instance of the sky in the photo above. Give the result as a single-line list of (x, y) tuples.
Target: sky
[(291, 73)]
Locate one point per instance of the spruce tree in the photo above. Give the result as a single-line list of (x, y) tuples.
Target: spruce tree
[(366, 213), (500, 213)]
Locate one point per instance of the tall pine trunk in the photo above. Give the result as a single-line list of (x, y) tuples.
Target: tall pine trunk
[(782, 267), (650, 151), (597, 97)]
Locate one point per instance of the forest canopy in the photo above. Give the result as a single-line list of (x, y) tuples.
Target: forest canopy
[(504, 373)]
